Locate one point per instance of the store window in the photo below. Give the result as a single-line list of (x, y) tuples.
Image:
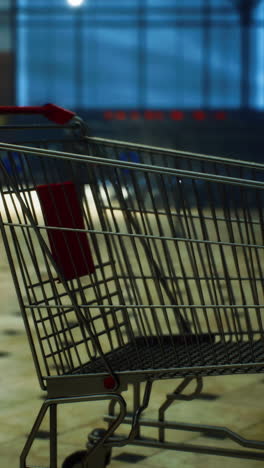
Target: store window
[(137, 54)]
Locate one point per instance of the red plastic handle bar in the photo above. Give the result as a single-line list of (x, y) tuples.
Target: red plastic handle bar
[(57, 114)]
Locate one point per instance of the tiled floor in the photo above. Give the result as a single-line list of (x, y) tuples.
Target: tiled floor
[(235, 402)]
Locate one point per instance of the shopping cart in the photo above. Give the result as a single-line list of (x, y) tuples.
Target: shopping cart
[(154, 271)]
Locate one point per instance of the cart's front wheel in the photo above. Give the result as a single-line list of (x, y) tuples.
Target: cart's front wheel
[(74, 460), (99, 460)]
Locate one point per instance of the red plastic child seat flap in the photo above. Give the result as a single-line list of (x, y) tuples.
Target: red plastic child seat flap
[(70, 249)]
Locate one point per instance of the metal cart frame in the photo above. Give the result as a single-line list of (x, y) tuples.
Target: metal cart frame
[(174, 323)]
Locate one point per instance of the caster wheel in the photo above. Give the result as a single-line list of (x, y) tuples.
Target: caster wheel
[(96, 434), (100, 459), (106, 452), (74, 460)]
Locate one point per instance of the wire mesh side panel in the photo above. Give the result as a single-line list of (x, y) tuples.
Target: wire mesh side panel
[(193, 258), (177, 284), (49, 295)]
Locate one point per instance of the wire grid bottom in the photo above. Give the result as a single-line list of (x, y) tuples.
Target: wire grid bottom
[(169, 357)]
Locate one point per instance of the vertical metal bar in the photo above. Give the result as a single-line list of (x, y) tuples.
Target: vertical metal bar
[(53, 436), (206, 72), (78, 43), (246, 10), (142, 54), (136, 404), (14, 46), (245, 58)]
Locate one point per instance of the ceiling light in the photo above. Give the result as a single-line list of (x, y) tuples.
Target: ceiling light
[(75, 3)]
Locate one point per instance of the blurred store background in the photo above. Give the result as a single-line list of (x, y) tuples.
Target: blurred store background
[(187, 74)]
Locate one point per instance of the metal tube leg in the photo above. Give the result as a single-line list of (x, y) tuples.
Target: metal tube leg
[(177, 395), (32, 435), (136, 403), (53, 436)]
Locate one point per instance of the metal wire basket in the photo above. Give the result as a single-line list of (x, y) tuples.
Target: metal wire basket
[(153, 270)]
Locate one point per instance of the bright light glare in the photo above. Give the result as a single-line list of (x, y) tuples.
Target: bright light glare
[(75, 3)]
